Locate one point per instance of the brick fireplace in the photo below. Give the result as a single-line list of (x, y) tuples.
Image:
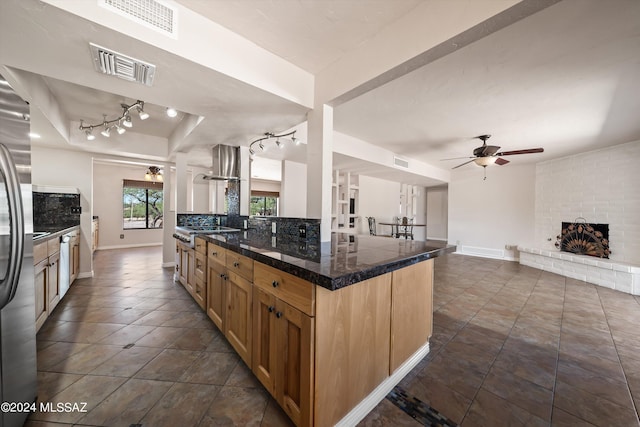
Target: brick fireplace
[(601, 186)]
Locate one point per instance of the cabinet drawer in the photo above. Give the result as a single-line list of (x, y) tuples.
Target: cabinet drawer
[(290, 289), (217, 254), (53, 246), (240, 264), (39, 252), (200, 246), (201, 266)]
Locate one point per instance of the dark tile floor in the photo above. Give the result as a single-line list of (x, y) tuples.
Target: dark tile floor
[(511, 346)]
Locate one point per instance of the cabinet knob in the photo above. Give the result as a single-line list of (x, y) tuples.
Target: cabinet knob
[(214, 253), (274, 283), (236, 264), (279, 314), (271, 308)]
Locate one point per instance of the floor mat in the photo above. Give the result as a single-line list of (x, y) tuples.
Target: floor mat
[(418, 410)]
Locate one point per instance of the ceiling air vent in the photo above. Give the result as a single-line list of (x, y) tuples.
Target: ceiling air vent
[(151, 13), (400, 162), (116, 64)]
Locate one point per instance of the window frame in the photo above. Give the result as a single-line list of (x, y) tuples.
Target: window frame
[(146, 186)]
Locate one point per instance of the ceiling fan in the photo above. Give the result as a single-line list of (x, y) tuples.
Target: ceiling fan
[(486, 155)]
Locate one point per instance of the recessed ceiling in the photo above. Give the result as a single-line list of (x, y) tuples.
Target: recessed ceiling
[(565, 78)]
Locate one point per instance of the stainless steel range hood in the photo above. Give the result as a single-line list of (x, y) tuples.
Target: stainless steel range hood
[(226, 164)]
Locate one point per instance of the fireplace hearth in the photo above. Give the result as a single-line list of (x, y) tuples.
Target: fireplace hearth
[(582, 238)]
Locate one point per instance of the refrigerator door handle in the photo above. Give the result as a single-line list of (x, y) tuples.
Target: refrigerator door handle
[(16, 220)]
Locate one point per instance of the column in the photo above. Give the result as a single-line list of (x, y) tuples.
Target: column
[(319, 167)]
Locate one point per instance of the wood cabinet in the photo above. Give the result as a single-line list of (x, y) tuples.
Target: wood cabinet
[(216, 284), (237, 323), (283, 354), (186, 266), (411, 311), (74, 256), (46, 257), (319, 353), (199, 288)]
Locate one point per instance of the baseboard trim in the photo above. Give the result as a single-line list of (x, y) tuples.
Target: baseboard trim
[(367, 404), (485, 253), (168, 264), (85, 275), (135, 245)]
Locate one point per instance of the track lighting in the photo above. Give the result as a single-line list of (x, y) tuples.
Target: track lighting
[(278, 141), (141, 113), (117, 123)]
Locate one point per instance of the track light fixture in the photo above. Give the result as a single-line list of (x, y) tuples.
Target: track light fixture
[(117, 123), (278, 140)]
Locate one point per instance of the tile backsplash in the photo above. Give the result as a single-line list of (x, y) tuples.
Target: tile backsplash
[(55, 211)]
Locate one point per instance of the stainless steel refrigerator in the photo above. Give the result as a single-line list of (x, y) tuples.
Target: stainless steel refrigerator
[(18, 378)]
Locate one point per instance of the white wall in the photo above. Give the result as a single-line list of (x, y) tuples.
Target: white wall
[(437, 212), (380, 199), (69, 169), (107, 205), (602, 186), (486, 215), (293, 195)]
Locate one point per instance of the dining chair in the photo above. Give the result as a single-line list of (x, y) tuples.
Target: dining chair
[(372, 225), (405, 228)]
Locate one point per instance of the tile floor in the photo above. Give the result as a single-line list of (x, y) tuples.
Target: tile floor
[(511, 346)]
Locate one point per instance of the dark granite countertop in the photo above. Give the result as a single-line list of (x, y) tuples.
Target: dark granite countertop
[(347, 259)]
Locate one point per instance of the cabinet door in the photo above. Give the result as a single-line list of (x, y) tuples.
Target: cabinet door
[(264, 338), (191, 271), (183, 263), (238, 317), (295, 355), (200, 293), (53, 285), (216, 289), (411, 311), (74, 259), (41, 273)]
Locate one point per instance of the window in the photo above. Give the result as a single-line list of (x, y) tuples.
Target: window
[(264, 203), (142, 204)]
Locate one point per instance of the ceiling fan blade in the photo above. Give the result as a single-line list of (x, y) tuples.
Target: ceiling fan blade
[(456, 167), (529, 151), (500, 161), (457, 158)]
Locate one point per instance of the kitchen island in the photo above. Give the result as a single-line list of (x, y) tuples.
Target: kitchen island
[(329, 329)]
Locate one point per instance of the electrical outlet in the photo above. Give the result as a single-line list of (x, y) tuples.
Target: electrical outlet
[(302, 232), (273, 227), (76, 210), (122, 236)]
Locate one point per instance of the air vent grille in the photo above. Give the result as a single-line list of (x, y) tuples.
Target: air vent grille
[(149, 12), (116, 64), (400, 162)]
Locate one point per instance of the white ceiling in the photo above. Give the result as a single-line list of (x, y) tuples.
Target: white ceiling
[(566, 78)]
